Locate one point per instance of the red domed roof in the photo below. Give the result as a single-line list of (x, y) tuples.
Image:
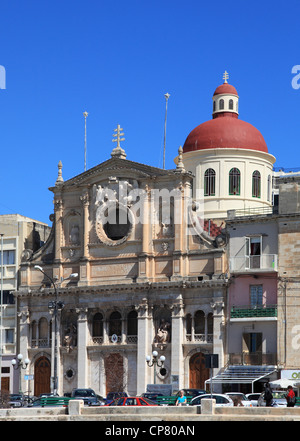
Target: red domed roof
[(225, 132), (226, 88)]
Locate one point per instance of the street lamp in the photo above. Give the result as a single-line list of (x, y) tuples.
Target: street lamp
[(159, 362), (54, 306), (19, 364)]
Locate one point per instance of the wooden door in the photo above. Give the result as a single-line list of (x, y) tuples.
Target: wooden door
[(198, 372), (42, 374), (5, 384)]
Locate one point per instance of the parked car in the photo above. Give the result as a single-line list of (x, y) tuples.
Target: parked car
[(221, 400), (89, 397), (241, 397), (132, 401), (192, 392), (113, 395), (151, 395), (253, 398), (16, 400), (279, 399)]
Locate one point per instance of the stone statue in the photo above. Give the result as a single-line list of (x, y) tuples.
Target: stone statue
[(163, 334)]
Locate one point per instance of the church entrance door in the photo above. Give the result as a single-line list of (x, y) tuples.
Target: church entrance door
[(42, 374), (114, 372), (198, 372)]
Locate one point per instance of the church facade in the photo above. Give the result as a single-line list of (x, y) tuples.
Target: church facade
[(136, 262)]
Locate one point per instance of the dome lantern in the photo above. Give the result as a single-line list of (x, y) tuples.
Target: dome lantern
[(225, 99)]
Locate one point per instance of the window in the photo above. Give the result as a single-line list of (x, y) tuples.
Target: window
[(209, 182), (98, 325), (252, 342), (234, 181), (253, 252), (115, 324), (9, 257), (230, 104), (199, 322), (256, 295), (132, 323), (9, 336), (221, 104), (256, 184)]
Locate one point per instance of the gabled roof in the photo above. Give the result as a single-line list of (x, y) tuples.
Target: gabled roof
[(117, 164)]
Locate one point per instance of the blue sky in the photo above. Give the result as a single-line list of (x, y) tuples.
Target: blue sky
[(116, 60)]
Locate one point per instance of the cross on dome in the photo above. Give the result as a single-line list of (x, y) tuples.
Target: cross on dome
[(225, 76)]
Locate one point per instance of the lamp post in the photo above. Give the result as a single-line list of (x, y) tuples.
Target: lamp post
[(18, 363), (54, 306), (156, 362)]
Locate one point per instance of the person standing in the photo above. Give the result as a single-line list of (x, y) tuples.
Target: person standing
[(268, 394), (290, 397)]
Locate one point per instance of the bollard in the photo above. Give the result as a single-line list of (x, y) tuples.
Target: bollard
[(75, 407), (208, 406)]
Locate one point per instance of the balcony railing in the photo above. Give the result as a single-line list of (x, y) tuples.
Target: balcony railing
[(199, 338), (260, 263), (127, 339), (253, 311), (252, 359)]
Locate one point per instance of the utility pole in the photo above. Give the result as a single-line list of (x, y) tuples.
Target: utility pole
[(167, 96), (85, 114)]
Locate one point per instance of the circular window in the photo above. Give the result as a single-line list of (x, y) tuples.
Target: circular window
[(114, 223)]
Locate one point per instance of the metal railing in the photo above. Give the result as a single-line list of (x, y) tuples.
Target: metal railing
[(263, 262), (249, 311)]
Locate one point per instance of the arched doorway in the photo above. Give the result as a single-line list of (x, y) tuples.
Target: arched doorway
[(198, 372), (42, 374), (114, 372)]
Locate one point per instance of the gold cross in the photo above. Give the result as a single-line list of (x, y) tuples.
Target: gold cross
[(225, 76), (118, 135)]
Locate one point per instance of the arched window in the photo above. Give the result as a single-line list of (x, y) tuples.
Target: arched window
[(221, 104), (199, 323), (188, 324), (132, 323), (209, 182), (256, 184), (97, 325), (231, 104), (214, 106), (43, 332), (234, 181), (115, 324)]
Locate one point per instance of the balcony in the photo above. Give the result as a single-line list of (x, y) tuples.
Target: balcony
[(240, 312), (252, 358), (253, 264)]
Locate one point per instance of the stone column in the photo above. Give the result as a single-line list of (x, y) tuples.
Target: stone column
[(82, 335), (219, 331), (24, 343), (142, 347), (177, 370), (144, 269)]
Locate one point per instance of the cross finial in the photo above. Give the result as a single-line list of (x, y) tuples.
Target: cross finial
[(225, 76), (118, 151), (118, 135)]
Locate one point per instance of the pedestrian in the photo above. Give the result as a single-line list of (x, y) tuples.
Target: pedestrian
[(181, 400), (268, 397), (290, 397)]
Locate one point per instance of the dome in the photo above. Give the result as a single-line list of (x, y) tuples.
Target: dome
[(226, 88), (225, 132)]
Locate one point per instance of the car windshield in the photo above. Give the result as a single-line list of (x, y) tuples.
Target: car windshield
[(16, 397), (84, 393), (238, 395), (279, 395), (147, 401)]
